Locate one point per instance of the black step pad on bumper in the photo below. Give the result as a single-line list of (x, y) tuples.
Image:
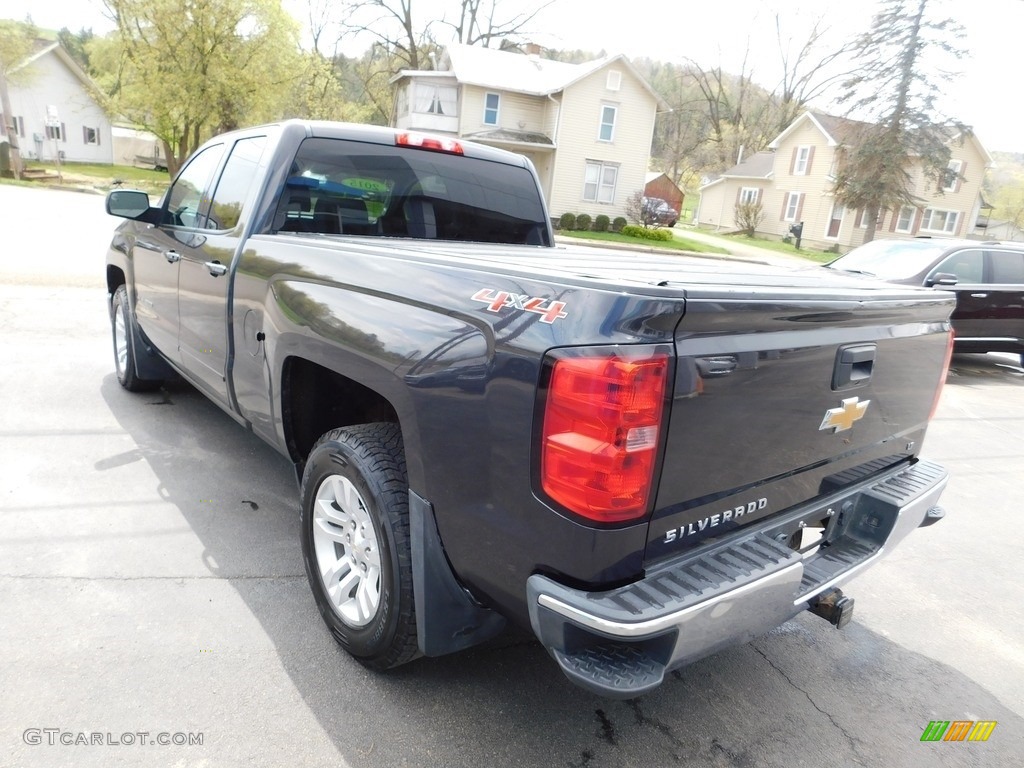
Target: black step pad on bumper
[(621, 642)]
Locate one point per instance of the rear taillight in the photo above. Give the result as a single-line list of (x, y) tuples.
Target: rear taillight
[(602, 421), (945, 373), (423, 141)]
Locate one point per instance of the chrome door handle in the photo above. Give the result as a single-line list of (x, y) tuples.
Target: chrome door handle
[(173, 257), (979, 295), (216, 268)]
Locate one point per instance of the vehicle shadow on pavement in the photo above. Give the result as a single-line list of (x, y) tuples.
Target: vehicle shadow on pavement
[(803, 694)]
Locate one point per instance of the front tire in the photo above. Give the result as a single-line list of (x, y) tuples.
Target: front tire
[(122, 325), (355, 542)]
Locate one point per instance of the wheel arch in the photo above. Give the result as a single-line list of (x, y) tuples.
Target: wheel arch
[(316, 399)]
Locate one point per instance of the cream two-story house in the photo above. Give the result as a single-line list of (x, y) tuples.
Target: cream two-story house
[(793, 182), (587, 127)]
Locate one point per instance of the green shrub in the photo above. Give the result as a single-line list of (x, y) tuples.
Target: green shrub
[(601, 223), (583, 222), (618, 223), (632, 230), (567, 222)]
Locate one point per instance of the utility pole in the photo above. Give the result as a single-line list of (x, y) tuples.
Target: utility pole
[(12, 131)]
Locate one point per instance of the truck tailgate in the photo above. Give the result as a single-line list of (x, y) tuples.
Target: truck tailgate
[(835, 383)]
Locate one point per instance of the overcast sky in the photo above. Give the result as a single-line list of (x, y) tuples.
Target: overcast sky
[(720, 32)]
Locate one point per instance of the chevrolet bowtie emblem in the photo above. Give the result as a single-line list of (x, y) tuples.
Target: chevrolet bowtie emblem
[(840, 419)]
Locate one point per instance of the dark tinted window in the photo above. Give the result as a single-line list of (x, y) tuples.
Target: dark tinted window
[(354, 188), (968, 266), (1007, 267), (185, 202), (235, 182)]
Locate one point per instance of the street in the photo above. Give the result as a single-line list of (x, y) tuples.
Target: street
[(151, 581)]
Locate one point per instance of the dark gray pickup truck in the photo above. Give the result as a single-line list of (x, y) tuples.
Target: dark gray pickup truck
[(642, 457)]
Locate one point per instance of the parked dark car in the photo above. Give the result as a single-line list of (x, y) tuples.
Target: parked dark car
[(988, 278), (658, 211)]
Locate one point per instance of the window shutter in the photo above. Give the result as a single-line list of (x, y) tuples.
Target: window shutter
[(960, 178), (799, 207), (792, 161), (810, 159), (757, 196), (64, 133), (895, 218), (959, 223), (785, 205), (98, 133), (918, 216), (739, 193)]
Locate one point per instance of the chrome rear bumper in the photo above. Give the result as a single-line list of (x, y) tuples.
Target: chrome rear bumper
[(621, 642)]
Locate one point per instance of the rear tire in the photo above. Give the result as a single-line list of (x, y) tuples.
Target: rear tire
[(355, 542), (122, 325)]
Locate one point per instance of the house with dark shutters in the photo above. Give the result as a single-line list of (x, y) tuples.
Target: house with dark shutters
[(793, 182)]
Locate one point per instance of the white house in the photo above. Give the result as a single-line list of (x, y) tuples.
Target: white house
[(55, 110)]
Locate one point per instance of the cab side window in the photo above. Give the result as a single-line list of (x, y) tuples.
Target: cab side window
[(968, 266), (235, 183), (1007, 267), (186, 206)]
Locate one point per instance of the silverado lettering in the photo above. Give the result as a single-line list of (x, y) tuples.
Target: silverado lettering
[(729, 515), (383, 309)]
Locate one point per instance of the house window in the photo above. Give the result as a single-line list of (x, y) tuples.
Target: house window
[(749, 195), (905, 219), (55, 132), (90, 135), (802, 161), (862, 219), (614, 81), (835, 221), (436, 99), (599, 182), (952, 175), (607, 130), (943, 222), (491, 102), (793, 205)]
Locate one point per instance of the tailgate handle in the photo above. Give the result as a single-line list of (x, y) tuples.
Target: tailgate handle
[(853, 366)]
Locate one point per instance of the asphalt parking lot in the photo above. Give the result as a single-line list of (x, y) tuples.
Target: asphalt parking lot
[(151, 582)]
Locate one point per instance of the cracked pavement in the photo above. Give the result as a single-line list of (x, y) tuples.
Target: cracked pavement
[(151, 580)]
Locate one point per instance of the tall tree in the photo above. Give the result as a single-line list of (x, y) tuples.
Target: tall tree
[(893, 91), (809, 68), (16, 40), (408, 31), (77, 44), (488, 22), (186, 69)]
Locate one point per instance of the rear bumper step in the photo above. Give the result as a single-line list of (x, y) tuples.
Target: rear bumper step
[(621, 642)]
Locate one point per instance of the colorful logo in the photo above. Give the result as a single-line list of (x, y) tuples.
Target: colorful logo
[(548, 310), (958, 730)]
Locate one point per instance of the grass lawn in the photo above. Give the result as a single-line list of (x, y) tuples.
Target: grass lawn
[(778, 246), (676, 244), (100, 177)]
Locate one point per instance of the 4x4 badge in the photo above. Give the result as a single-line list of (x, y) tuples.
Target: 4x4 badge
[(840, 419)]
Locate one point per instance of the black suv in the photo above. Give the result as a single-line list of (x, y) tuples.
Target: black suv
[(988, 278), (659, 212)]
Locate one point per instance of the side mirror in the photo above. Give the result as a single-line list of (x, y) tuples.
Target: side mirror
[(128, 204), (942, 279)]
